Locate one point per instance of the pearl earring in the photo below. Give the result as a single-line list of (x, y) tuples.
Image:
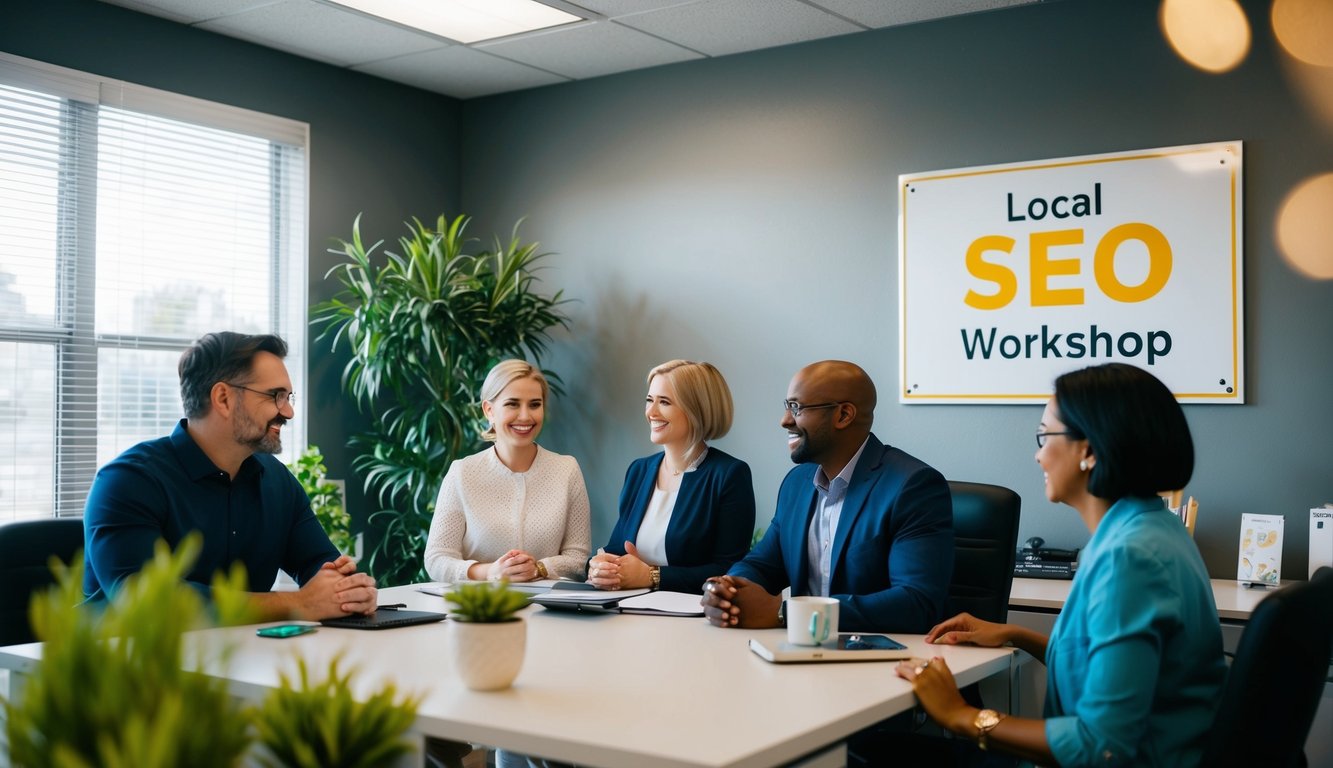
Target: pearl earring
[(1083, 465)]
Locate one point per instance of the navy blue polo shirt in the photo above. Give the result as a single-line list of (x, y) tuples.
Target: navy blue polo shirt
[(168, 487)]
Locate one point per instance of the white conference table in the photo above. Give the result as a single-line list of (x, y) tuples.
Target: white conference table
[(604, 690)]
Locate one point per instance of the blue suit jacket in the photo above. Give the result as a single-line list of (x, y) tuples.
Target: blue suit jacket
[(892, 552), (711, 523)]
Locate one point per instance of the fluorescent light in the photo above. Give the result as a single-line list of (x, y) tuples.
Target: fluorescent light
[(466, 21)]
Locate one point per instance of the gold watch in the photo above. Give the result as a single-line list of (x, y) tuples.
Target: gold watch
[(541, 570), (986, 720), (655, 573)]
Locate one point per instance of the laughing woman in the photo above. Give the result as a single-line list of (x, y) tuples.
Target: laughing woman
[(515, 510), (1134, 666), (687, 512)]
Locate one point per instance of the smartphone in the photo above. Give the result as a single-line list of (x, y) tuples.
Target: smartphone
[(284, 630), (859, 642)]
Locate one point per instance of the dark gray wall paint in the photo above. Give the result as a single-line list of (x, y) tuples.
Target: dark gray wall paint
[(385, 150), (742, 210)]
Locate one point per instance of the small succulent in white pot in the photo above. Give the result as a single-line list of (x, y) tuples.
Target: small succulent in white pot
[(487, 640)]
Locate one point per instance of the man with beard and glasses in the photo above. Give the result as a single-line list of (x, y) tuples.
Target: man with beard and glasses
[(857, 520), (215, 473)]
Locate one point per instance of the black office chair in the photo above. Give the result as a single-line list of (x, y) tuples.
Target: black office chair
[(25, 547), (1276, 679), (985, 529)]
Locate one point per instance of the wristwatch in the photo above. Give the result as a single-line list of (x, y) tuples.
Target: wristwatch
[(782, 614), (986, 720), (655, 573), (541, 570)]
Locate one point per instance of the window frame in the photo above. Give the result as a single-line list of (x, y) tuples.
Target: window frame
[(73, 334)]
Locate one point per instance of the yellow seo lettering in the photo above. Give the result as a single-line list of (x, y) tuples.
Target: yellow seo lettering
[(1042, 267)]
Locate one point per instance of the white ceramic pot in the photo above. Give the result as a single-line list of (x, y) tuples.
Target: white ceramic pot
[(487, 656)]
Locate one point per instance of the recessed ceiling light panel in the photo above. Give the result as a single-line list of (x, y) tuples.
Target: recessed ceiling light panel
[(466, 21)]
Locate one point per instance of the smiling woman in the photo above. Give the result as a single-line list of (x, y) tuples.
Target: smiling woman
[(686, 513), (514, 511)]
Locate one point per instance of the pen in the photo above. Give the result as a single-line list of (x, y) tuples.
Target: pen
[(391, 607)]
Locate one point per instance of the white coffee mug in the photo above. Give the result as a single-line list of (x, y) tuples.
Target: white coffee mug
[(811, 620)]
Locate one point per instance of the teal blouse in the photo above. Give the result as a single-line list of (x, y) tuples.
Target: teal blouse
[(1134, 664)]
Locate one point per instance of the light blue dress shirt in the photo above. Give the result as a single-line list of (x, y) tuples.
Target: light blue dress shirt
[(828, 510), (1134, 664)]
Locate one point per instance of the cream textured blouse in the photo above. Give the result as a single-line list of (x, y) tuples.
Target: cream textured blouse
[(484, 510)]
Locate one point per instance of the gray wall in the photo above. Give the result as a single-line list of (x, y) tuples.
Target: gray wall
[(742, 210), (378, 148)]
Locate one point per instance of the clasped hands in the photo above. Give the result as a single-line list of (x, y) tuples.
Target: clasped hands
[(337, 590), (514, 565), (734, 601), (627, 571)]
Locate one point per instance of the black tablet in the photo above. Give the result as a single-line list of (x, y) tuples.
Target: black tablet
[(384, 619)]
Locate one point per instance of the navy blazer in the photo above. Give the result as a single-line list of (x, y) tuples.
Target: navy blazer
[(892, 552), (711, 523)]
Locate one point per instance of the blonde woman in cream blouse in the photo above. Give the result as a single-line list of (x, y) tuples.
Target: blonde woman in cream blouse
[(515, 510)]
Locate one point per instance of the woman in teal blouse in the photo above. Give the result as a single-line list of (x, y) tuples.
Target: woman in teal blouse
[(1134, 663)]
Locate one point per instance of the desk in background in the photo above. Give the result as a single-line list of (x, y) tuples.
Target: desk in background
[(1034, 603), (607, 690)]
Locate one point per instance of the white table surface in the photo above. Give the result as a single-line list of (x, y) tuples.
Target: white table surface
[(1234, 601), (605, 690)]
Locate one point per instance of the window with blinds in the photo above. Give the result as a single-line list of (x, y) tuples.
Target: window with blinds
[(132, 221)]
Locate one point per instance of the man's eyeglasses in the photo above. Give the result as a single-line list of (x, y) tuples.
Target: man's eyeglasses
[(796, 409), (1041, 437), (280, 397)]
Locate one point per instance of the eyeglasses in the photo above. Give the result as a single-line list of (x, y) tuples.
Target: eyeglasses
[(280, 397), (796, 409), (1041, 437)]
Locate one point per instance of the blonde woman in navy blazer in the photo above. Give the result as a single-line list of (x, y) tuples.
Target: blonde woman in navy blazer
[(689, 510)]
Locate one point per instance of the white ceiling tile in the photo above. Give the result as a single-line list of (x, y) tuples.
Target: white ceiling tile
[(616, 8), (878, 13), (460, 72), (720, 27), (322, 32), (190, 11), (643, 33), (590, 50)]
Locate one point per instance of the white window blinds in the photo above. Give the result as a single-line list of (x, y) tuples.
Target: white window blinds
[(132, 221)]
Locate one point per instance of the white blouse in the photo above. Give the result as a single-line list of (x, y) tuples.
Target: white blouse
[(484, 509)]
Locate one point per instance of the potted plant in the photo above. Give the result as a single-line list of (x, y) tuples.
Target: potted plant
[(318, 724), (326, 498), (112, 689), (423, 328), (486, 640)]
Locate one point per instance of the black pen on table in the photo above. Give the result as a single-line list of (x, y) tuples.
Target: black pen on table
[(390, 607)]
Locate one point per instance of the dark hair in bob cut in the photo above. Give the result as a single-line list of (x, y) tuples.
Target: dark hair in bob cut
[(224, 356), (1136, 429)]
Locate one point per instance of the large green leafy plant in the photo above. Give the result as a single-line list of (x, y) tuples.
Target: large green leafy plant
[(423, 328)]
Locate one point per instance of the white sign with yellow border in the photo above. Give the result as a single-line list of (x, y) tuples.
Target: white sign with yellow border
[(1010, 275)]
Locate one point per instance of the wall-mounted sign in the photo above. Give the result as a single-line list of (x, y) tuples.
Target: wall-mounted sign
[(1010, 275)]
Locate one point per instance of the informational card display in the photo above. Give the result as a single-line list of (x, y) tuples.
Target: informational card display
[(1010, 275), (1260, 549)]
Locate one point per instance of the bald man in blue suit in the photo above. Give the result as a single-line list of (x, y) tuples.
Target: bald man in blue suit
[(856, 520)]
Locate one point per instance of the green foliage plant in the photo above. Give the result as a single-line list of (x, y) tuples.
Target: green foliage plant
[(111, 689), (423, 326), (484, 602), (326, 498), (322, 725)]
